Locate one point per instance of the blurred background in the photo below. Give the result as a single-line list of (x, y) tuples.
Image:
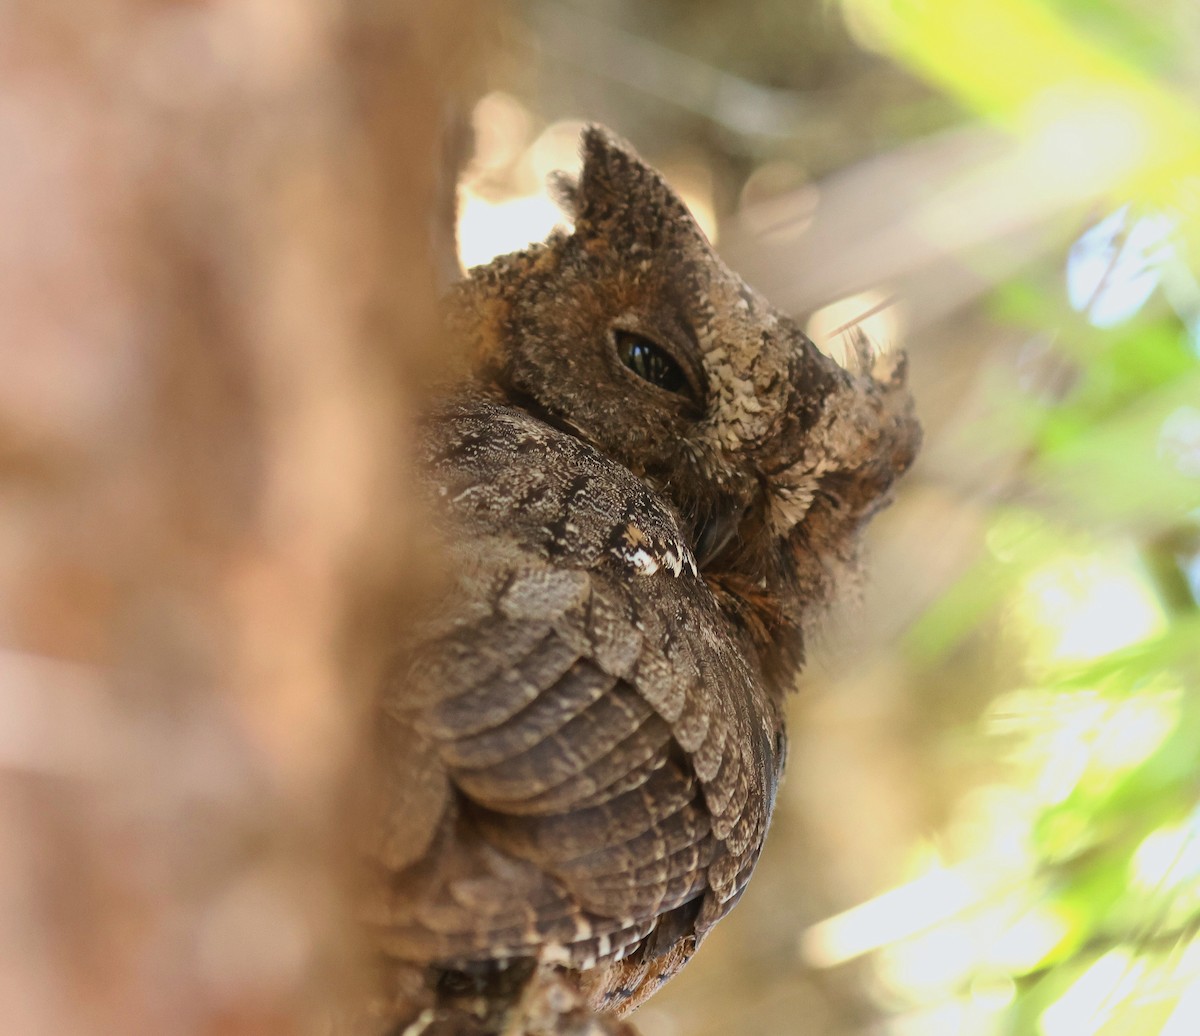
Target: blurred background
[(223, 228)]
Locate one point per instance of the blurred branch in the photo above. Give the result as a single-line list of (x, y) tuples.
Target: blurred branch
[(738, 106), (939, 222), (1162, 557)]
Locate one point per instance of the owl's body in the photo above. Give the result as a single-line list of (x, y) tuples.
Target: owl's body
[(649, 484)]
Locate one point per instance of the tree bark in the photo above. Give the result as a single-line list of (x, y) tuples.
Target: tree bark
[(218, 273)]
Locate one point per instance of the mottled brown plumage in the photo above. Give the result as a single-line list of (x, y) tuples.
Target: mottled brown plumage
[(581, 753)]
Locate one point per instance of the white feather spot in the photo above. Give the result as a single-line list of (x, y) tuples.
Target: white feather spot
[(644, 564)]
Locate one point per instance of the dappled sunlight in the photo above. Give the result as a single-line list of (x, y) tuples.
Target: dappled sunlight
[(1077, 608), (1134, 729), (1087, 1004), (934, 897), (1024, 943), (1185, 1019), (1168, 857), (924, 967), (1065, 737), (488, 228)]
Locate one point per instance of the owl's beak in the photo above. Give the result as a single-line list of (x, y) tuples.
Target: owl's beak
[(717, 529)]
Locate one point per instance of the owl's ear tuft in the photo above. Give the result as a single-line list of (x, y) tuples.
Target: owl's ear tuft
[(616, 187)]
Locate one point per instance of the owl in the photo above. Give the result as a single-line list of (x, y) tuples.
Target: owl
[(648, 486)]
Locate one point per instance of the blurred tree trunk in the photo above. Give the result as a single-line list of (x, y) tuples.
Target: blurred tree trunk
[(217, 277)]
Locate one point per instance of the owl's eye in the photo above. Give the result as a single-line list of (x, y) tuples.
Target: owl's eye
[(651, 363)]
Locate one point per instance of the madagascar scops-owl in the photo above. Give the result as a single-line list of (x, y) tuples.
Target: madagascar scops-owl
[(648, 485)]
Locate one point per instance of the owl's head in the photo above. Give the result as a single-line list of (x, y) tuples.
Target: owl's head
[(630, 333)]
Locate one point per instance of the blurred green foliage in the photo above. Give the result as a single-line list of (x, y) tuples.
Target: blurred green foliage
[(1093, 568)]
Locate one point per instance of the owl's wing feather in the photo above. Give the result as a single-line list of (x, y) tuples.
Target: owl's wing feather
[(601, 728)]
